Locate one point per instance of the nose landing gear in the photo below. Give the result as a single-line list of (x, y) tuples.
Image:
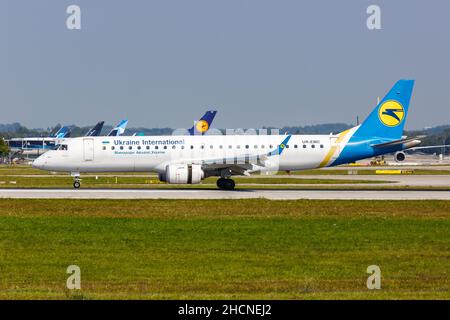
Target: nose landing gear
[(225, 184), (76, 184), (76, 180)]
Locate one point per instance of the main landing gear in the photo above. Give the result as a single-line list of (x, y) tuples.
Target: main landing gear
[(225, 184)]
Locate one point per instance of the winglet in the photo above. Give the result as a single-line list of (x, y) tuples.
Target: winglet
[(280, 147)]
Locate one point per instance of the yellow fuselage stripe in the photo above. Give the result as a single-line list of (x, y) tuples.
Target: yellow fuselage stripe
[(333, 149)]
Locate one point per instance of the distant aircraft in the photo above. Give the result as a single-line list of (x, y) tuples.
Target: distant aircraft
[(35, 146), (96, 130), (119, 129), (201, 126), (189, 159), (63, 132)]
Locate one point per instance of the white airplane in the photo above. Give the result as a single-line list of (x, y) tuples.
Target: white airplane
[(189, 159)]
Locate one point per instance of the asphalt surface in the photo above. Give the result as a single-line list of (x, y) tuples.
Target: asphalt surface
[(219, 194)]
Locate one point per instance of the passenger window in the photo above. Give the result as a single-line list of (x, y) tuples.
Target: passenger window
[(256, 147), (139, 147), (104, 147), (112, 148), (262, 146), (121, 148), (192, 147), (173, 147), (147, 147), (156, 147), (271, 146), (238, 147), (229, 147), (130, 148), (220, 147), (321, 146), (287, 146), (246, 146), (304, 146), (295, 146), (313, 146), (210, 146)]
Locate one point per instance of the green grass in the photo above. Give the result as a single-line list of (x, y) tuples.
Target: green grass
[(20, 170), (205, 249), (12, 170), (139, 182)]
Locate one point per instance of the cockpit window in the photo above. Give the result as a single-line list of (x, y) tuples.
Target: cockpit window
[(62, 147)]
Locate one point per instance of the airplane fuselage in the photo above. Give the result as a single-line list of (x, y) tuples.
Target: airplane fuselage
[(154, 153)]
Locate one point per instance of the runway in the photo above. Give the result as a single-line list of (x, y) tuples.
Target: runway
[(219, 194)]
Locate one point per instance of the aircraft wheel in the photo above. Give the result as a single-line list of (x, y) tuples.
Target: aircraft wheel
[(225, 184), (221, 183), (76, 184), (229, 184)]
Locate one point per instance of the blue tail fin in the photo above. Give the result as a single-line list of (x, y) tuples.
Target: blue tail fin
[(64, 132), (119, 130), (388, 119), (203, 125), (95, 131)]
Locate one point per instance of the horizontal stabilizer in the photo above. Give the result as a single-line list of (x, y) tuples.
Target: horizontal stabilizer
[(407, 143)]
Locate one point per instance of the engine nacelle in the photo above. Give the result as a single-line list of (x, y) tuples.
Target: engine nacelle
[(399, 156), (183, 174)]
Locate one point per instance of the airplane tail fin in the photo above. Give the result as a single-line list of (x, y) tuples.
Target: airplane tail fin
[(202, 126), (64, 132), (388, 119), (119, 130), (96, 130)]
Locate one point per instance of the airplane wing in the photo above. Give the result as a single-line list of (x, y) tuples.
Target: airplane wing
[(242, 165)]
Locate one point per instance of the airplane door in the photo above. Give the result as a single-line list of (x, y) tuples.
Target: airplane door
[(88, 146)]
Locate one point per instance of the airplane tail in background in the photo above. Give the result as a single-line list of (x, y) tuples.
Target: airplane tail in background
[(202, 126), (96, 130), (388, 119), (119, 130), (64, 132)]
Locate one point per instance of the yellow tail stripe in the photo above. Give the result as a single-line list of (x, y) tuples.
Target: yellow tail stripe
[(333, 149)]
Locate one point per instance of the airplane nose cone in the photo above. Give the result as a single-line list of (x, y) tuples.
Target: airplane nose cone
[(38, 163)]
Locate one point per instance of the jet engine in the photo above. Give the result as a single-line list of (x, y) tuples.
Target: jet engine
[(399, 156), (182, 174)]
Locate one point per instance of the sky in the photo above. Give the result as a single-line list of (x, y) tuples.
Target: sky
[(162, 63)]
